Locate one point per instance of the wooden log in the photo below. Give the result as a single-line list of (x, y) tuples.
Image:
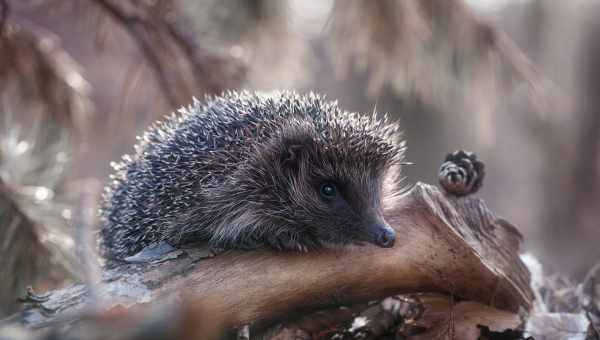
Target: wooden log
[(444, 244)]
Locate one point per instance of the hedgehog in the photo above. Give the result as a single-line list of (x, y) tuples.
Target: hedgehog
[(245, 170)]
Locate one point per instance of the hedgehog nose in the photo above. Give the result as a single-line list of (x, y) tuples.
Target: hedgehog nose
[(386, 237)]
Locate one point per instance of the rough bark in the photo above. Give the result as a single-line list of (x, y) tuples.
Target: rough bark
[(444, 245)]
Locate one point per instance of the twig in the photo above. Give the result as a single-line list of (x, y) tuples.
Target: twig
[(4, 12), (130, 24), (200, 72)]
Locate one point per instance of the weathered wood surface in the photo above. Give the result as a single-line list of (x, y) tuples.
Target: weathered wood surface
[(416, 317), (444, 245)]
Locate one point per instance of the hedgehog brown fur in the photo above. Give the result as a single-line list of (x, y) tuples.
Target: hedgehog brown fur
[(289, 171)]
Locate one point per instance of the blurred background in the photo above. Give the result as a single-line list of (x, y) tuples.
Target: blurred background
[(516, 81)]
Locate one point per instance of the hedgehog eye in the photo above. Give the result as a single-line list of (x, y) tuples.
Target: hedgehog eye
[(328, 191)]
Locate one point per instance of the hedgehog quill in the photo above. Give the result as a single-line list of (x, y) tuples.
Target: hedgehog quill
[(246, 170)]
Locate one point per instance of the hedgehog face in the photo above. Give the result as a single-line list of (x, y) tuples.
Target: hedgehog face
[(350, 212), (323, 195)]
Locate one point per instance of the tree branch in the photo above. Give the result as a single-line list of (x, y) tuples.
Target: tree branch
[(446, 245)]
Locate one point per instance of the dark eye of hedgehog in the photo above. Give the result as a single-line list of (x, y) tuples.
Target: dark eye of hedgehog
[(328, 191)]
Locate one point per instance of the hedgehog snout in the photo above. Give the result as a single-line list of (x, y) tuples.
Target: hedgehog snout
[(386, 238), (381, 234)]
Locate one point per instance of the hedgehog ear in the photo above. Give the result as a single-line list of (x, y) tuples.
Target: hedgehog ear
[(292, 156)]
